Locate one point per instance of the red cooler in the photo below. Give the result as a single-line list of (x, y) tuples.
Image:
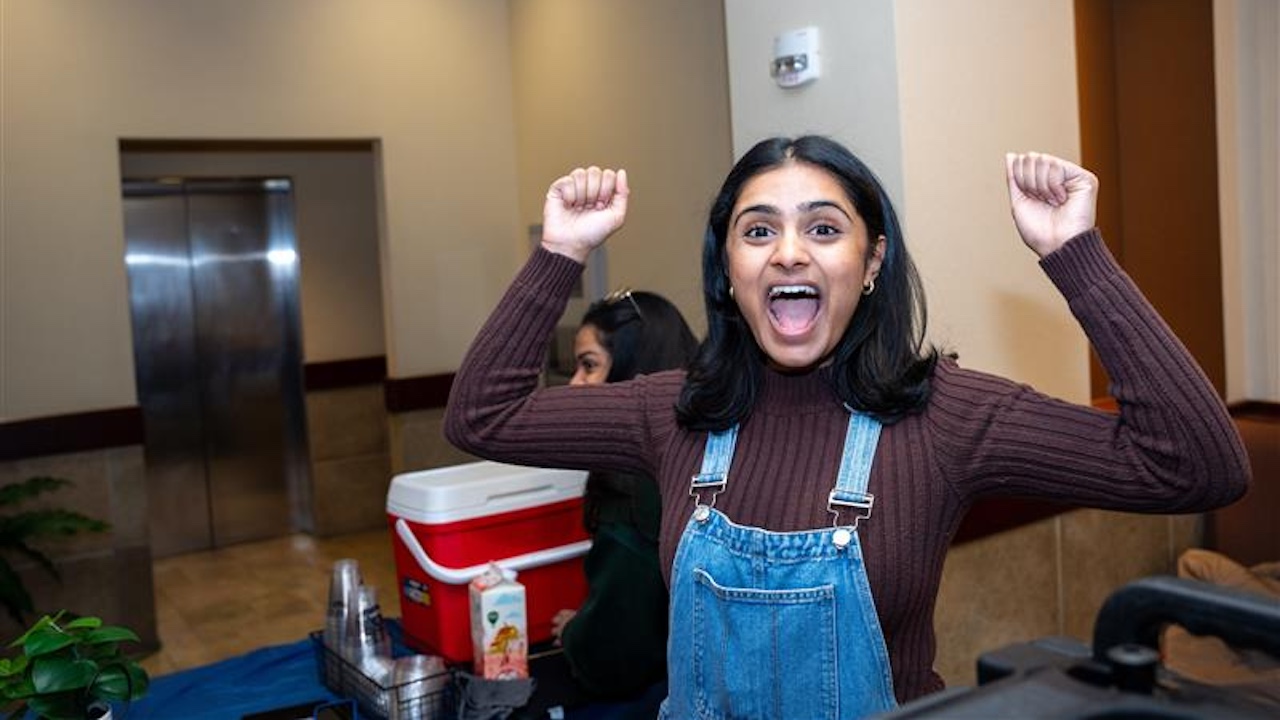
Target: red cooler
[(447, 524)]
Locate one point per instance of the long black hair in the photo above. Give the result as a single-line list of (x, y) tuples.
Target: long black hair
[(642, 332), (880, 366)]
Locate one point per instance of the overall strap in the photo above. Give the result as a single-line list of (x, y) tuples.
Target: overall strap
[(716, 459), (855, 469)]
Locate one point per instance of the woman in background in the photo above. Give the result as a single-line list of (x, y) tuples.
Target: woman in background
[(616, 643)]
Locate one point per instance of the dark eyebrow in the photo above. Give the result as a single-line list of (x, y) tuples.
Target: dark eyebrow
[(766, 209), (804, 207), (818, 204)]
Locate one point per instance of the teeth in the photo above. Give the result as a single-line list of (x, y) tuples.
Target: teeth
[(791, 290)]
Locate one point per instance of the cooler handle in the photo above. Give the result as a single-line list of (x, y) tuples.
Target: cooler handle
[(462, 576)]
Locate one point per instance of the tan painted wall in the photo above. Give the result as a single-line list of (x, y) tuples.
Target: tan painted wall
[(856, 99), (640, 85), (78, 75), (988, 299)]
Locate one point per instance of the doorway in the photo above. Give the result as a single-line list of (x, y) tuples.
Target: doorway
[(213, 283), (1148, 130)]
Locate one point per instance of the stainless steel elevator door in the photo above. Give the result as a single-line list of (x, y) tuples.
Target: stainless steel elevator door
[(213, 293)]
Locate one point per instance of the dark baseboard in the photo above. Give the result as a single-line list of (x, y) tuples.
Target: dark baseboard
[(335, 374), (988, 517), (1255, 410), (77, 432), (417, 393)]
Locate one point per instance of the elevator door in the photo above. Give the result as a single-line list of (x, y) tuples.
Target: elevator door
[(214, 300)]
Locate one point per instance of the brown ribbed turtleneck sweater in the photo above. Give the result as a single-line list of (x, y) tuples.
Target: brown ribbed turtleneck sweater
[(1171, 448)]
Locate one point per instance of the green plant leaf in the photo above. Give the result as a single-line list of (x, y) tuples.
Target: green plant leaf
[(16, 492), (20, 689), (120, 682), (62, 706), (88, 622), (17, 530), (110, 634), (13, 594), (31, 553), (52, 521), (39, 625), (56, 674), (10, 667), (42, 641)]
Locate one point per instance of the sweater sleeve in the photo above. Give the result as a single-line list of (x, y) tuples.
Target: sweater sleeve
[(1172, 447), (496, 409)]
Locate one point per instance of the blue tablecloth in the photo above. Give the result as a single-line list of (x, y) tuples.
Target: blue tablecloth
[(282, 676), (265, 679)]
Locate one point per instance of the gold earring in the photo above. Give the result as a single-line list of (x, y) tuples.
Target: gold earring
[(869, 287)]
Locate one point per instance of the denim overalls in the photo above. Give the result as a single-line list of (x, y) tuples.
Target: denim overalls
[(772, 625)]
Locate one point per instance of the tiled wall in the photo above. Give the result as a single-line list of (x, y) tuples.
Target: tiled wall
[(417, 442), (103, 574), (350, 472), (357, 447), (1047, 578)]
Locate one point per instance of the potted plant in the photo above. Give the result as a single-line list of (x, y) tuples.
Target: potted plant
[(70, 669), (19, 529)]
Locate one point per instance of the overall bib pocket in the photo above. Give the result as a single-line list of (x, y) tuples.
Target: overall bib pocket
[(764, 654)]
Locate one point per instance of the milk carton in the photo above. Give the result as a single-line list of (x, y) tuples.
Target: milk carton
[(499, 626)]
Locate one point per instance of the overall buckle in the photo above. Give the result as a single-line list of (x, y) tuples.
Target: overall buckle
[(702, 483), (861, 505)]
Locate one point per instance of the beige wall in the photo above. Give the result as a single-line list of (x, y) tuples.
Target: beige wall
[(856, 99), (640, 85), (336, 224), (1048, 578), (1247, 66), (988, 298), (78, 75)]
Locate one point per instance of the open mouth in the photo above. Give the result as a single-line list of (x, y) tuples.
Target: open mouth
[(793, 308)]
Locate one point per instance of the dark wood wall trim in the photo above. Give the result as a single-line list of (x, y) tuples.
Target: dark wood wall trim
[(193, 145), (336, 374), (79, 432), (1256, 410), (417, 393), (988, 517)]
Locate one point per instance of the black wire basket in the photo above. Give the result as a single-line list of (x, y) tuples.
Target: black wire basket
[(433, 697)]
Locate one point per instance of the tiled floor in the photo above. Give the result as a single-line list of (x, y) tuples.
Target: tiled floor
[(218, 604)]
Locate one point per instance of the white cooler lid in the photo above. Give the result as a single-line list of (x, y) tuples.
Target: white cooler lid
[(462, 492)]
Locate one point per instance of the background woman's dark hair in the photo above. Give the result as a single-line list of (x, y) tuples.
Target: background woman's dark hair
[(642, 332), (880, 364)]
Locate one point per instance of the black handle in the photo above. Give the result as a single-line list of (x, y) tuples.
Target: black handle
[(1136, 613)]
